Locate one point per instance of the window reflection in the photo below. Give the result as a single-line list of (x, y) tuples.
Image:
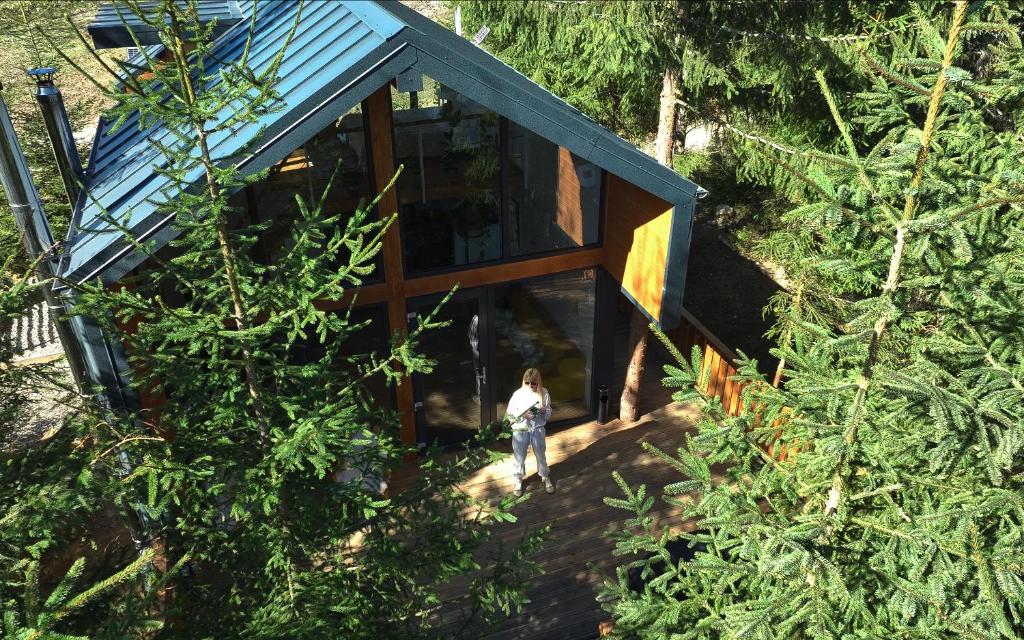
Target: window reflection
[(547, 323), (449, 191), (554, 196), (451, 393), (306, 173)]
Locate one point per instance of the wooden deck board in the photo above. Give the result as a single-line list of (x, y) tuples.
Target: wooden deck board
[(578, 554)]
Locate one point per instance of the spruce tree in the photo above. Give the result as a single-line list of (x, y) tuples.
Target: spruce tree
[(234, 468), (876, 491), (607, 57)]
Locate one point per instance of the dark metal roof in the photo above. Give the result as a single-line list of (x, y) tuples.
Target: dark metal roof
[(330, 43), (474, 72), (114, 25), (341, 52)]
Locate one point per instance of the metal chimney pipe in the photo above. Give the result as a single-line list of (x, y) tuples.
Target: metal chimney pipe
[(58, 128), (37, 238)]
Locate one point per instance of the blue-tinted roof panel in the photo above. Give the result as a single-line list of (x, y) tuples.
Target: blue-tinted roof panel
[(121, 182), (114, 25)]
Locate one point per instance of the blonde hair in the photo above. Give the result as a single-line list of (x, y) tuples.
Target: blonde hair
[(533, 375)]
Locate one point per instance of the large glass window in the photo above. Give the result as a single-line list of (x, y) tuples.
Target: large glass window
[(496, 333), (547, 323), (306, 173), (449, 191), (475, 188), (452, 398), (554, 196)]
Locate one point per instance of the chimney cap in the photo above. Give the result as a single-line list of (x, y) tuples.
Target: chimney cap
[(42, 74)]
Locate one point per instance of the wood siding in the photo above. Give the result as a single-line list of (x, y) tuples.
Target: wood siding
[(637, 225), (569, 205), (492, 274)]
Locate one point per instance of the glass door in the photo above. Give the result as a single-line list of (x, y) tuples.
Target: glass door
[(546, 323), (454, 399), (493, 335)]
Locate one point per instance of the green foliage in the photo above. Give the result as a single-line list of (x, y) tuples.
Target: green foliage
[(607, 57), (42, 617), (55, 484), (236, 466), (877, 491)]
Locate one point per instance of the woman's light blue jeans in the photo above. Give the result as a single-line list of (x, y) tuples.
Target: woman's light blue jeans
[(520, 441)]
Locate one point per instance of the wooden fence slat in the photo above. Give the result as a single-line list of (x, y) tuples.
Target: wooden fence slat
[(730, 389), (736, 406), (723, 376), (713, 363), (718, 362)]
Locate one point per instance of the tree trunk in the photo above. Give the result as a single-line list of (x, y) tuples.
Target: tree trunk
[(629, 403), (667, 110)]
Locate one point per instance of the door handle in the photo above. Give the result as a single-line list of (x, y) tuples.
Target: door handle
[(483, 375), (416, 406)]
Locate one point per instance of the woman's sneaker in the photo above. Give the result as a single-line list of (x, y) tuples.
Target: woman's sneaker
[(548, 485), (518, 488)]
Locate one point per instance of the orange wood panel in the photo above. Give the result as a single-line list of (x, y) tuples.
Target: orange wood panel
[(723, 376), (736, 406), (502, 272), (636, 231), (378, 106), (715, 380), (727, 393), (568, 205), (705, 367)]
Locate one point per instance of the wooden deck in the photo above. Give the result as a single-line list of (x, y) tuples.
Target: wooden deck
[(577, 552)]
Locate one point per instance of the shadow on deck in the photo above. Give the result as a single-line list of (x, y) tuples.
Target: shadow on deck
[(577, 551)]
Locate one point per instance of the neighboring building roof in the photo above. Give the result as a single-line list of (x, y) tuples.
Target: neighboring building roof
[(113, 25), (341, 52)]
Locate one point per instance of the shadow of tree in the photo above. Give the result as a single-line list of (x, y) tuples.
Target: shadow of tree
[(728, 292)]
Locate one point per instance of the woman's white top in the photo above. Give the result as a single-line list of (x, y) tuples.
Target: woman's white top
[(519, 406)]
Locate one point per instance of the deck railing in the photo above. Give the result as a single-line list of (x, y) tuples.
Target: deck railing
[(719, 361)]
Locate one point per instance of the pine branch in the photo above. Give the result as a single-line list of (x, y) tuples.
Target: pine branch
[(836, 493)]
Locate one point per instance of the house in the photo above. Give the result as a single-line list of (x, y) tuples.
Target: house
[(541, 215)]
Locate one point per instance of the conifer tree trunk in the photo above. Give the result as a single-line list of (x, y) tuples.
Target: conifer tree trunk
[(629, 405), (667, 118), (240, 313)]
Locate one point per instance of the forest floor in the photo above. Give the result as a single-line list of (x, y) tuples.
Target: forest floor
[(728, 291)]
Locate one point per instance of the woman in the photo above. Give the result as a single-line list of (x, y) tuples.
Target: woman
[(528, 411)]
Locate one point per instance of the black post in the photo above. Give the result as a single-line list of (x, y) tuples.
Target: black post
[(603, 374), (38, 240), (58, 129)]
